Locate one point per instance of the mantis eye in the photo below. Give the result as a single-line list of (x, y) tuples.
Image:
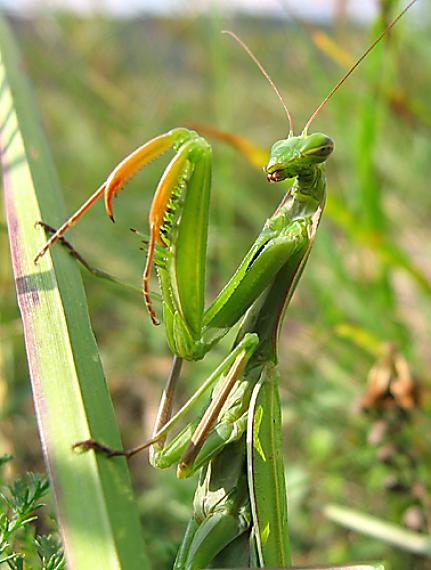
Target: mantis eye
[(322, 151), (317, 145)]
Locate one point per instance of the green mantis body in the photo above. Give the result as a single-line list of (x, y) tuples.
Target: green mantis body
[(263, 285), (236, 444), (260, 289)]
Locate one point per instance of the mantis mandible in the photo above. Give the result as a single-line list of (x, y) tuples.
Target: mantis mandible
[(236, 444)]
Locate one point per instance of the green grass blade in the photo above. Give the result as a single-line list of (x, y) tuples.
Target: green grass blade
[(98, 518), (380, 530)]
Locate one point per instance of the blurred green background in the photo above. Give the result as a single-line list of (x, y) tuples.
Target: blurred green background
[(104, 86)]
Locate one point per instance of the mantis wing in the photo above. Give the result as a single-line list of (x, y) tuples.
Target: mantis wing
[(266, 473), (265, 469)]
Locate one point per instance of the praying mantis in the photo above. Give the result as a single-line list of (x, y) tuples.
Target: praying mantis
[(240, 506)]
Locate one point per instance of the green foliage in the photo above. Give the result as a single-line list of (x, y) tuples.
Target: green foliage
[(21, 548), (367, 281)]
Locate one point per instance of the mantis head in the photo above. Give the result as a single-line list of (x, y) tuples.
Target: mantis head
[(291, 156)]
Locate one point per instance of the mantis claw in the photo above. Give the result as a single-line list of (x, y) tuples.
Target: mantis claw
[(92, 444)]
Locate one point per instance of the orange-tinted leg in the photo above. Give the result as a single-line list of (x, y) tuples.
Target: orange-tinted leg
[(147, 272), (70, 222)]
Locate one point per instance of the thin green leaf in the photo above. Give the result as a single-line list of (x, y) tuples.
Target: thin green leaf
[(99, 520), (378, 529)]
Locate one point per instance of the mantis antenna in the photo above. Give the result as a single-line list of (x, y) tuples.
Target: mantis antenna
[(355, 65), (265, 74)]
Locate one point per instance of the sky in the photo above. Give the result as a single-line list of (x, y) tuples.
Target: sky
[(319, 9)]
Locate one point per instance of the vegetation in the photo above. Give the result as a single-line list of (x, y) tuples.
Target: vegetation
[(20, 546), (104, 86)]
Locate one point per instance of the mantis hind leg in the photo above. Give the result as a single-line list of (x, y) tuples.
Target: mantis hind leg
[(221, 512), (163, 416), (95, 271), (161, 457), (203, 543), (219, 426)]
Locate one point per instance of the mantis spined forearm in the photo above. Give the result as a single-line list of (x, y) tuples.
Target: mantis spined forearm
[(236, 443)]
